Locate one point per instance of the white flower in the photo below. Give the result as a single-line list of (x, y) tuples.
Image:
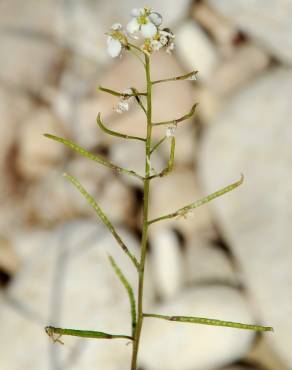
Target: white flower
[(145, 21), (170, 131), (163, 38), (116, 40), (123, 106), (124, 103)]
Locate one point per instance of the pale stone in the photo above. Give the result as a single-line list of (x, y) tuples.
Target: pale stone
[(31, 18), (268, 22), (253, 136), (204, 263), (220, 28), (180, 346), (36, 153), (9, 261), (196, 50), (264, 354), (59, 199), (210, 104), (116, 200), (166, 263), (243, 66), (14, 108), (69, 282), (28, 64)]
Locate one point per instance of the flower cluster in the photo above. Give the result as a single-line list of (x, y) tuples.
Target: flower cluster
[(146, 24)]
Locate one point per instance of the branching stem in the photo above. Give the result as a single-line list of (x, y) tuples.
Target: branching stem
[(178, 120), (137, 333), (183, 77)]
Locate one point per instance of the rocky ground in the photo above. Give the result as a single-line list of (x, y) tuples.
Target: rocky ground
[(232, 260)]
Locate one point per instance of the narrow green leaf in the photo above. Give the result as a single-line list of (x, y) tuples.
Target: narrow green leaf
[(115, 133), (91, 156), (129, 290), (178, 78), (102, 216), (119, 94), (56, 333), (206, 321)]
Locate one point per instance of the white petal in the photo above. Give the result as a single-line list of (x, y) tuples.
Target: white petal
[(148, 30), (133, 26), (137, 12), (155, 18), (123, 106), (114, 47)]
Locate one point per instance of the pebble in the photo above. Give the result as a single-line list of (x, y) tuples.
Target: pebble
[(9, 261), (183, 346), (220, 28), (204, 263), (166, 263), (36, 153), (68, 282), (253, 136), (18, 70), (196, 51), (268, 23)]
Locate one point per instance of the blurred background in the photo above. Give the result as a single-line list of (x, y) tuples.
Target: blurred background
[(231, 260)]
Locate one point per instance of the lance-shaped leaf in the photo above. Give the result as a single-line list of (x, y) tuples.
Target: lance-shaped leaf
[(178, 120), (103, 217), (129, 290), (57, 333), (115, 133), (91, 156), (206, 321), (177, 78), (116, 93), (184, 211), (170, 163)]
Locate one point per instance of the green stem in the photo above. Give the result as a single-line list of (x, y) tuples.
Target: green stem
[(178, 120), (183, 77), (137, 333)]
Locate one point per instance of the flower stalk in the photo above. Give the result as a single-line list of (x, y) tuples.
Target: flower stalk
[(155, 38)]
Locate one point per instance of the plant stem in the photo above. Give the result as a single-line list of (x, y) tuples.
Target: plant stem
[(144, 239)]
